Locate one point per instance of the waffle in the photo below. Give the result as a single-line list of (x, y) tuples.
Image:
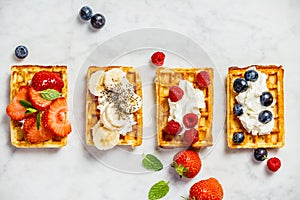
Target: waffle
[(168, 77), (275, 85), (133, 138), (20, 76)]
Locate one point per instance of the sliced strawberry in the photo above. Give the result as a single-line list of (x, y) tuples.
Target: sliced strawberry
[(55, 119), (37, 100), (33, 134), (47, 80)]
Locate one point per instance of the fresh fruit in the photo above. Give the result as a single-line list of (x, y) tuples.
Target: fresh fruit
[(251, 75), (265, 116), (190, 120), (36, 99), (21, 51), (238, 137), (203, 79), (85, 13), (209, 189), (113, 77), (158, 58), (240, 85), (55, 119), (43, 80), (273, 164), (238, 110), (266, 99), (104, 138), (98, 21), (260, 154), (191, 136), (173, 127), (175, 93), (187, 163), (33, 134)]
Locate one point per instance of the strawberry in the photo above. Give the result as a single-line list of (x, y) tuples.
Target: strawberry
[(187, 163), (173, 127), (36, 99), (190, 120), (209, 189), (191, 136), (54, 118), (203, 79), (43, 80), (175, 93), (158, 58), (33, 134), (273, 164)]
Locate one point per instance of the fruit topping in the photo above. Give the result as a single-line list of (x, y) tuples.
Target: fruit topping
[(36, 133), (203, 79), (97, 21), (191, 136), (85, 13), (238, 137), (190, 120), (240, 85), (21, 52), (158, 58), (173, 127), (251, 75), (37, 100), (43, 80), (265, 116), (187, 163), (273, 164), (260, 154), (175, 93), (266, 99), (206, 189), (238, 109)]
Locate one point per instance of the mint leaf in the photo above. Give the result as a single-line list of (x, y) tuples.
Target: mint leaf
[(49, 94), (158, 190), (38, 121), (25, 104), (151, 162), (30, 110)]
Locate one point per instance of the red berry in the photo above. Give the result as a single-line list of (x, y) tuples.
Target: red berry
[(273, 164), (191, 136), (209, 189), (187, 163), (158, 58), (190, 120), (37, 100), (175, 93), (47, 80), (33, 134), (173, 127), (203, 79)]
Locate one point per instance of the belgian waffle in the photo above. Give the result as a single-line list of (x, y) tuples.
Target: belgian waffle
[(133, 138), (275, 85), (20, 76), (168, 77)]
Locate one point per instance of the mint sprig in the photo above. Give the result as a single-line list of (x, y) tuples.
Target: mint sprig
[(50, 94), (29, 107), (158, 190), (151, 162)]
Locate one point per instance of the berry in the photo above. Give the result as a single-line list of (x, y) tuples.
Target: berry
[(266, 99), (173, 127), (85, 13), (238, 137), (238, 109), (175, 93), (97, 21), (190, 120), (187, 163), (191, 136), (260, 154), (273, 164), (251, 75), (21, 51), (37, 100), (265, 116), (209, 189), (33, 134), (203, 79), (43, 80), (158, 58), (240, 85), (54, 118)]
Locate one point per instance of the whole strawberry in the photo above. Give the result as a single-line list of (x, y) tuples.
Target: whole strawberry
[(187, 163), (43, 80), (209, 189)]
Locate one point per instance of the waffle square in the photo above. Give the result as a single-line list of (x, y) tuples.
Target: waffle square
[(165, 79), (133, 138), (20, 76), (275, 85)]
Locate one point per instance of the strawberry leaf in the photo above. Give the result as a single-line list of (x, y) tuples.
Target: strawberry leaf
[(151, 162), (50, 94), (158, 190)]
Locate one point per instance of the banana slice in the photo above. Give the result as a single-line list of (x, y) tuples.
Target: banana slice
[(134, 104), (105, 139), (113, 77), (113, 117), (96, 83)]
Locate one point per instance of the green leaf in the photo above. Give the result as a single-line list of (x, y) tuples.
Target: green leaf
[(30, 110), (151, 162), (38, 121), (158, 190), (49, 94), (25, 104)]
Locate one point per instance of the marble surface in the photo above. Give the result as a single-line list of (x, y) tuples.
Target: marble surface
[(231, 32)]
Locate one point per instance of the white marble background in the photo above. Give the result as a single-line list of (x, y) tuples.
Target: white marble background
[(232, 33)]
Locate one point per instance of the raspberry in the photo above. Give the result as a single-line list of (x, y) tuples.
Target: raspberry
[(175, 93), (190, 120), (274, 164), (173, 127), (203, 79), (191, 136), (158, 58)]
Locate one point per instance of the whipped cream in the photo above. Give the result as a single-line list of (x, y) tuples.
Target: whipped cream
[(250, 100)]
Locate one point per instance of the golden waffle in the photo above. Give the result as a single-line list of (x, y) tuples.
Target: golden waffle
[(275, 85), (133, 138), (168, 77), (20, 76)]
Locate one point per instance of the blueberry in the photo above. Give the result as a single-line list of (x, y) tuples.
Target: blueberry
[(238, 109), (85, 13), (238, 137), (98, 21), (21, 51), (266, 98), (240, 85), (260, 154), (265, 116), (251, 75)]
